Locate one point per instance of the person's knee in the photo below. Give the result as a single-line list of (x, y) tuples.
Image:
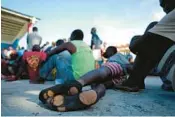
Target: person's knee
[(133, 46), (104, 72)]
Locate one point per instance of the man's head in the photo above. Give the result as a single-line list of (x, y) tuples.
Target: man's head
[(35, 29), (167, 5), (59, 42), (36, 48), (110, 51), (77, 35), (53, 44), (93, 30)]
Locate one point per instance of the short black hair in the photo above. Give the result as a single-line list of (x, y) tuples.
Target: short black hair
[(110, 51), (167, 5), (59, 42), (77, 35), (36, 48), (35, 29)]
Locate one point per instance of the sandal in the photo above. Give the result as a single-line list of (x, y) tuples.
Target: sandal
[(66, 89)]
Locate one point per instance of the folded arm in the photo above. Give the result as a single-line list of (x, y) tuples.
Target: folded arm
[(66, 46)]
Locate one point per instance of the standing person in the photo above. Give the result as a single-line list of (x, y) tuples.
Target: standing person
[(95, 41), (33, 39), (82, 60), (159, 39), (96, 47)]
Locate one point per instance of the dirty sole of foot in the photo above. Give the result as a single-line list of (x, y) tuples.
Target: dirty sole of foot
[(81, 101)]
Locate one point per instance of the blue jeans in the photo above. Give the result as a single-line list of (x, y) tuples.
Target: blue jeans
[(62, 63)]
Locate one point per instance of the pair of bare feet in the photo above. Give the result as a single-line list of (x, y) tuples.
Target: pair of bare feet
[(70, 97)]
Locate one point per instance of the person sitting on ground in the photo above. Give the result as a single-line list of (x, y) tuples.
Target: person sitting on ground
[(61, 62), (32, 61), (81, 61), (135, 40), (159, 39), (69, 96), (10, 64), (4, 71)]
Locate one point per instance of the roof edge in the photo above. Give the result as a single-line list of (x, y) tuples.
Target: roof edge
[(18, 13)]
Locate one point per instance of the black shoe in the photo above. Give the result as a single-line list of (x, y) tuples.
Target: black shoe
[(167, 87)]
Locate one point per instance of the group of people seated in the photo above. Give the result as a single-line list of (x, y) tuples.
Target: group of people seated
[(74, 65), (154, 45), (10, 60)]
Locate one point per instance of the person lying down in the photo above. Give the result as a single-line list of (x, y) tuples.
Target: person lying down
[(70, 97)]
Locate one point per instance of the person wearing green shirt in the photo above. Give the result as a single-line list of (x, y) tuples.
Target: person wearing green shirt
[(82, 60)]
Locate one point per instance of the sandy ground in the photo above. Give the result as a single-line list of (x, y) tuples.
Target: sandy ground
[(20, 98)]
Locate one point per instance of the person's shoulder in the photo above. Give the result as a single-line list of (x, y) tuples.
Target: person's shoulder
[(113, 56), (119, 55), (37, 34)]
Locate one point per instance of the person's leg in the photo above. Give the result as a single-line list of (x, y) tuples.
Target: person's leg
[(64, 73), (166, 69), (104, 73), (139, 72), (95, 76), (80, 101), (149, 54), (47, 67), (50, 77)]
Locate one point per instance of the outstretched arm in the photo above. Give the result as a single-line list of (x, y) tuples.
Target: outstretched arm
[(66, 46)]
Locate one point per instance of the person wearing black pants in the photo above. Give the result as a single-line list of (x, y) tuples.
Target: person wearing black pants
[(150, 48)]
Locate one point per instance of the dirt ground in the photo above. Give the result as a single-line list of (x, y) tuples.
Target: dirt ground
[(19, 98)]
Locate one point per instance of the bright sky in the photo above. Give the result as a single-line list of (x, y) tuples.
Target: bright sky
[(116, 20)]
